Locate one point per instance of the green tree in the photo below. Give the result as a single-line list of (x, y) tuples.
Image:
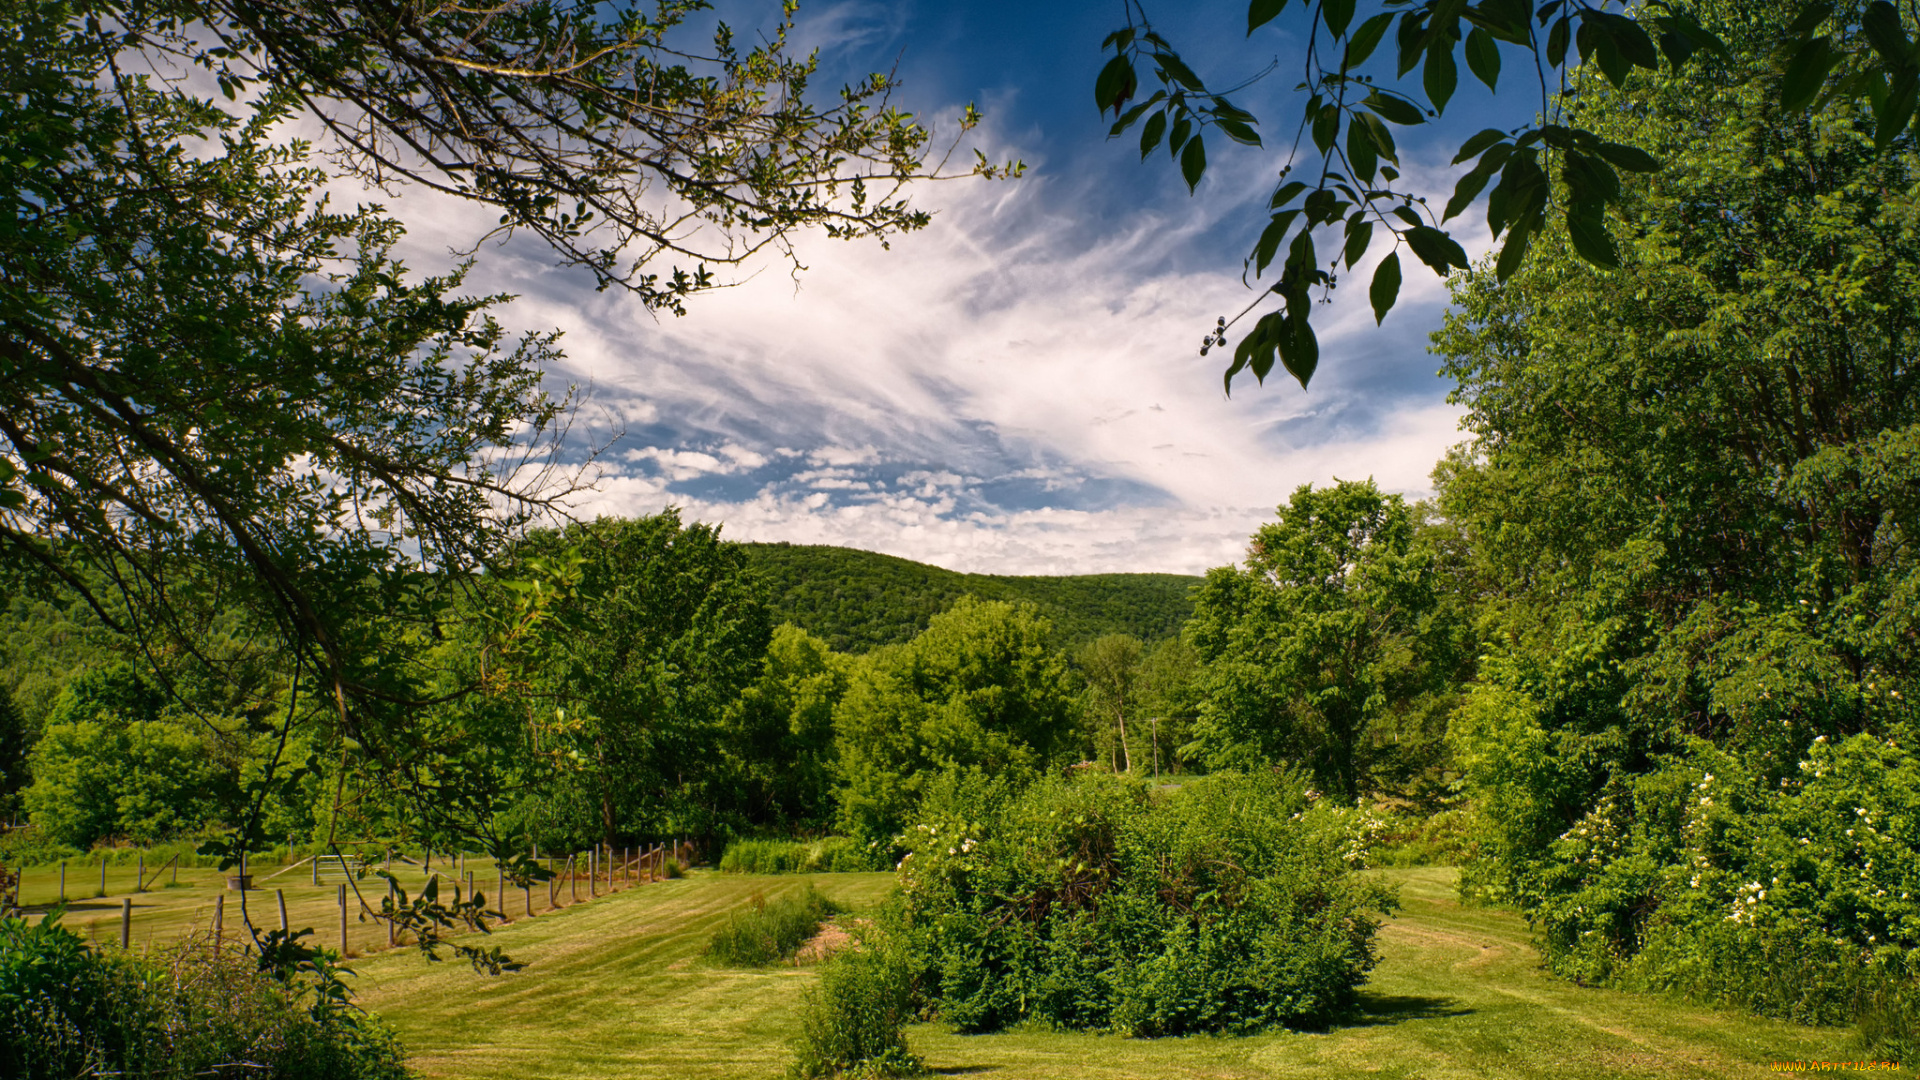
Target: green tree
[(1340, 183), (980, 690), (1111, 664), (779, 735), (1692, 484), (637, 661), (1329, 631), (1172, 683)]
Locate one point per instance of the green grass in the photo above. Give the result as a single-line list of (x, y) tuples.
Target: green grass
[(616, 988)]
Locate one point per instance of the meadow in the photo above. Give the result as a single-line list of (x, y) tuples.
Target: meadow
[(618, 987)]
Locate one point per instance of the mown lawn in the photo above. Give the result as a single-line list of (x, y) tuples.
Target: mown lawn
[(616, 988)]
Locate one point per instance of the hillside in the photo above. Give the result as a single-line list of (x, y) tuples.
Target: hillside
[(856, 600)]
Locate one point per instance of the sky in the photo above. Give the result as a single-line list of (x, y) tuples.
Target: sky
[(1017, 388)]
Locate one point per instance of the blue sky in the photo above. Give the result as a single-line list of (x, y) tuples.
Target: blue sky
[(1017, 388)]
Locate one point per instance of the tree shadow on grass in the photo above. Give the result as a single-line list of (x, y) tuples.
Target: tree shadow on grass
[(961, 1070), (1380, 1010)]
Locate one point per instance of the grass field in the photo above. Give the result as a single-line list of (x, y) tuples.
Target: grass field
[(617, 988)]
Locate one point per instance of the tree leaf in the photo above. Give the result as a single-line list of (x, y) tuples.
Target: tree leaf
[(1193, 161), (1359, 235), (1133, 114), (1114, 85), (1514, 251), (1881, 21), (1440, 76), (1630, 158), (1338, 14), (1361, 153), (1386, 286), (1807, 73), (1557, 40), (1809, 18), (1478, 144), (1326, 127), (1366, 39), (1483, 57), (1587, 228), (1465, 192), (1182, 128), (1412, 39), (1270, 238), (1891, 118), (1238, 131), (1171, 64), (1436, 249), (1589, 179), (1394, 109), (1286, 194), (1262, 12), (1299, 349), (1152, 133)]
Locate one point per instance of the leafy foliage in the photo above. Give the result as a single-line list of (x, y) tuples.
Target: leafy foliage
[(1332, 646), (66, 1010), (851, 1021), (858, 600), (1691, 494), (1228, 905), (770, 931), (980, 691), (1350, 188), (829, 855)]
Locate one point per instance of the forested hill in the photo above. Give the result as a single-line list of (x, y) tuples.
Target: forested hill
[(856, 600)]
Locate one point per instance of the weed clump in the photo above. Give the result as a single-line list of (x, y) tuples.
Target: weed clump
[(827, 855), (851, 1023), (770, 931)]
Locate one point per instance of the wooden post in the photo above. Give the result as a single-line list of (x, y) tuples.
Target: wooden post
[(103, 877), (175, 880), (343, 920), (140, 875), (573, 880), (527, 889), (63, 881), (126, 921), (281, 896), (219, 918), (593, 872), (501, 897), (314, 865), (391, 907)]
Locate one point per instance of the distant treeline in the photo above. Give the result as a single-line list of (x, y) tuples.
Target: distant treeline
[(859, 600)]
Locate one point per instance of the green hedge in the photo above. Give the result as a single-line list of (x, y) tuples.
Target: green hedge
[(768, 932)]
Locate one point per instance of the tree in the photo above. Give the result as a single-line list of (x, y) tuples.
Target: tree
[(979, 690), (1172, 689), (1561, 155), (656, 632), (1692, 483), (1330, 629), (1111, 664), (779, 735)]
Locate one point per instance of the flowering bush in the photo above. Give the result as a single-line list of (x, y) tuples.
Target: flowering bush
[(1231, 904)]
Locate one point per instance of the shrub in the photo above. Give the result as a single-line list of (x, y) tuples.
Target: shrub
[(831, 854), (194, 1010), (1228, 905), (768, 932), (851, 1022)]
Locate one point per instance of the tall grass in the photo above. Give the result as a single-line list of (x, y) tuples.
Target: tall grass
[(827, 855), (769, 932)]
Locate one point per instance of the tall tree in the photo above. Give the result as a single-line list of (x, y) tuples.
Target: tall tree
[(1111, 664), (980, 690), (1329, 629)]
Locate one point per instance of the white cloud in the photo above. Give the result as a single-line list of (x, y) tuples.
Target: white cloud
[(999, 351)]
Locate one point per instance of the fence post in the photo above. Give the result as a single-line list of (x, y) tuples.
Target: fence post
[(391, 907), (573, 880), (343, 920), (501, 896), (593, 872), (63, 881), (140, 875), (281, 896), (219, 918), (314, 866), (103, 876), (527, 891), (126, 921)]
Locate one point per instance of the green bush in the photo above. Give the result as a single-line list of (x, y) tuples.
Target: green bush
[(1229, 905), (193, 1010), (770, 932), (831, 854), (850, 1024), (1410, 838)]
